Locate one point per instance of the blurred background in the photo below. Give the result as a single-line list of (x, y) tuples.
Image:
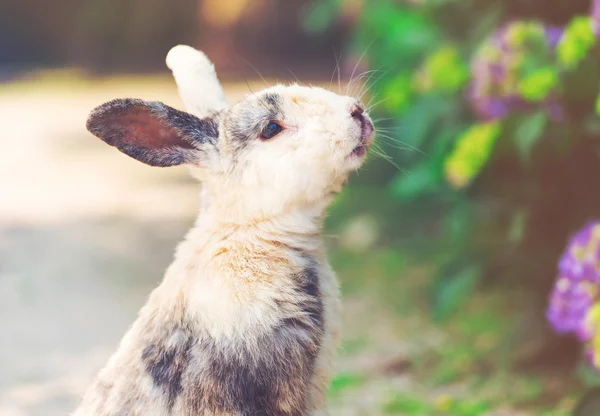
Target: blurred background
[(467, 247)]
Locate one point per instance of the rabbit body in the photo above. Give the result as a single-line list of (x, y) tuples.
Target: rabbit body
[(244, 323), (246, 320)]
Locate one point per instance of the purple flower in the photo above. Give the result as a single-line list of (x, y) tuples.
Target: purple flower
[(553, 35), (491, 108), (554, 109), (502, 62), (595, 14), (569, 304), (576, 291)]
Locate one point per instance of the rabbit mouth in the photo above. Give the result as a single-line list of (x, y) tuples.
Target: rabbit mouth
[(366, 137), (359, 151), (366, 130)]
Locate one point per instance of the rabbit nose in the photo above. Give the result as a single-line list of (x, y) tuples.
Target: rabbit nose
[(356, 112)]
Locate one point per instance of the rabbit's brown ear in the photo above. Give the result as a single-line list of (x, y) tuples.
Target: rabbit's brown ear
[(153, 132)]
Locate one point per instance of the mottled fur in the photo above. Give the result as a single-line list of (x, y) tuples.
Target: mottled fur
[(167, 134), (246, 319)]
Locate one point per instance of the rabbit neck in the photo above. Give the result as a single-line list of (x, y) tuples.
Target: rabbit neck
[(227, 276), (300, 228)]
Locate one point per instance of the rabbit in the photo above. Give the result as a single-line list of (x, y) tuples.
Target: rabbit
[(247, 317)]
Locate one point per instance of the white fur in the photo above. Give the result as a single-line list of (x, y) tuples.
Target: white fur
[(199, 87), (261, 218), (195, 75), (300, 169)]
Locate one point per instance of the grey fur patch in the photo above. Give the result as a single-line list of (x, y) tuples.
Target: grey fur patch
[(152, 132), (250, 117), (167, 361), (308, 284), (272, 379), (273, 100), (268, 377)]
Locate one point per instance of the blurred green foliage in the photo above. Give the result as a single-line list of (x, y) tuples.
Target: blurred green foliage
[(503, 109)]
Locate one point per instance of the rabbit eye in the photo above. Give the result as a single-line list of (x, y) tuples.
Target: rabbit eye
[(272, 130)]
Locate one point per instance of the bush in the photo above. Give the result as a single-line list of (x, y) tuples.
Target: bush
[(502, 99)]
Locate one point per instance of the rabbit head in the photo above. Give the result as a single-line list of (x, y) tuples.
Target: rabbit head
[(285, 148)]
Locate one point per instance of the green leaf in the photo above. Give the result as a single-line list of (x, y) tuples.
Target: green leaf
[(588, 375), (598, 104), (398, 92), (319, 15), (472, 408), (528, 132), (576, 42), (401, 35), (443, 70), (345, 381), (452, 287), (408, 405), (459, 221), (538, 84), (420, 180), (471, 153), (422, 117), (516, 231)]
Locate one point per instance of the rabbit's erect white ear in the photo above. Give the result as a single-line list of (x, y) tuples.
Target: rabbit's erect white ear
[(197, 81)]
